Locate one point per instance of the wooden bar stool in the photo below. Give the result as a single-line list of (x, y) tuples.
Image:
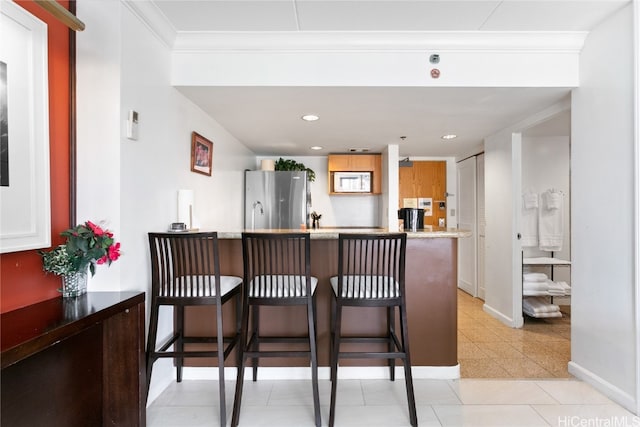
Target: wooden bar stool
[(276, 273), (371, 270), (185, 271)]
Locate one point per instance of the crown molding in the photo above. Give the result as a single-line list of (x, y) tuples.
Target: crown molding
[(288, 41), (361, 41), (153, 18)]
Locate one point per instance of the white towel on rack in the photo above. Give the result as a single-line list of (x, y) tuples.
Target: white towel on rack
[(550, 229), (553, 199), (543, 315), (530, 200), (535, 286), (555, 289), (534, 293), (565, 287), (534, 277), (529, 222), (539, 305)]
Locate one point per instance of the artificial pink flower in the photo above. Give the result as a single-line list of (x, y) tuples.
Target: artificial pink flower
[(95, 228), (114, 251), (102, 260)]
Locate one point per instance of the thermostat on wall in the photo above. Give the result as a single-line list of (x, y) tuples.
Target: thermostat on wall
[(132, 125)]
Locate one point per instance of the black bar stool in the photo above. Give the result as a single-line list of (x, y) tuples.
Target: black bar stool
[(276, 273), (185, 271), (371, 270)]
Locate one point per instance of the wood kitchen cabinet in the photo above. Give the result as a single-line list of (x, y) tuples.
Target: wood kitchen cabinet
[(357, 163)]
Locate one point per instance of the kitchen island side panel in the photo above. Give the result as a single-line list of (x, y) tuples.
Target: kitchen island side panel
[(431, 304)]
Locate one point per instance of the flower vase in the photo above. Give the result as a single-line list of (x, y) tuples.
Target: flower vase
[(74, 284)]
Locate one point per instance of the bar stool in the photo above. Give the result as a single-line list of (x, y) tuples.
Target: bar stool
[(371, 268), (276, 273), (185, 271)]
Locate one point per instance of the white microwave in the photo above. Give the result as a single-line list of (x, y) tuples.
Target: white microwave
[(352, 182)]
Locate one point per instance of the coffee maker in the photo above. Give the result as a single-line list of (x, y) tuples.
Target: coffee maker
[(413, 218)]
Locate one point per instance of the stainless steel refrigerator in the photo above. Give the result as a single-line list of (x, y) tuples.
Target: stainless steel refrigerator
[(276, 199)]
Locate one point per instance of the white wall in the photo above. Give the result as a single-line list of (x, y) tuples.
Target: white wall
[(512, 59), (336, 211), (98, 178), (134, 184), (602, 335), (390, 187)]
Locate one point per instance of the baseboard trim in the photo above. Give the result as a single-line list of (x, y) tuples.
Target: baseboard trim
[(605, 387), (302, 373), (497, 315), (164, 373), (345, 372)]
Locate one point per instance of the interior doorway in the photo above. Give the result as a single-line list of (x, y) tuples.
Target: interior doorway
[(540, 347), (423, 185), (470, 253)]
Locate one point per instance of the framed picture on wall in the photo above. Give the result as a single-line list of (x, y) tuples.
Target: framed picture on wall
[(25, 208), (201, 154)]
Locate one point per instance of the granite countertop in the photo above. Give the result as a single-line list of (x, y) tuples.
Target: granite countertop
[(332, 233)]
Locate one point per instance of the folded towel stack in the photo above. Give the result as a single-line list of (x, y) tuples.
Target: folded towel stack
[(538, 284), (556, 289), (534, 284), (565, 287), (539, 307), (534, 277)]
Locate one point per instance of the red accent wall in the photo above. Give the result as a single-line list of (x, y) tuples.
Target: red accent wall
[(22, 281)]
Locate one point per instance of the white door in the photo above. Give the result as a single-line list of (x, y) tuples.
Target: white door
[(503, 261), (481, 221), (467, 257)]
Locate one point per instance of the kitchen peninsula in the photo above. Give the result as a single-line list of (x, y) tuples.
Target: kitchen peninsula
[(431, 286)]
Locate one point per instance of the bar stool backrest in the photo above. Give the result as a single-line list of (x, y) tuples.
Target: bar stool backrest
[(371, 266), (185, 265), (277, 265)]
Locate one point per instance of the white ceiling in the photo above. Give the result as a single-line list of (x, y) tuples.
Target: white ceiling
[(267, 119)]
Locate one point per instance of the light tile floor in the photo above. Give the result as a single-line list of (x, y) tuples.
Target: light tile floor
[(487, 349), (368, 403)]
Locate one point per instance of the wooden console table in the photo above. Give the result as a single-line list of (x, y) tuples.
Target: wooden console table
[(75, 362)]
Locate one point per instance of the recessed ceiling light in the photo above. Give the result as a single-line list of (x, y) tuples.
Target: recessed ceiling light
[(316, 147), (449, 136), (310, 117)]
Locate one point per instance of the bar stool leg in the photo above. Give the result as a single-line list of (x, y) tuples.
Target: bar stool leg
[(255, 338), (239, 342), (314, 360), (220, 345), (180, 341), (391, 322), (411, 400), (334, 361), (237, 400)]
